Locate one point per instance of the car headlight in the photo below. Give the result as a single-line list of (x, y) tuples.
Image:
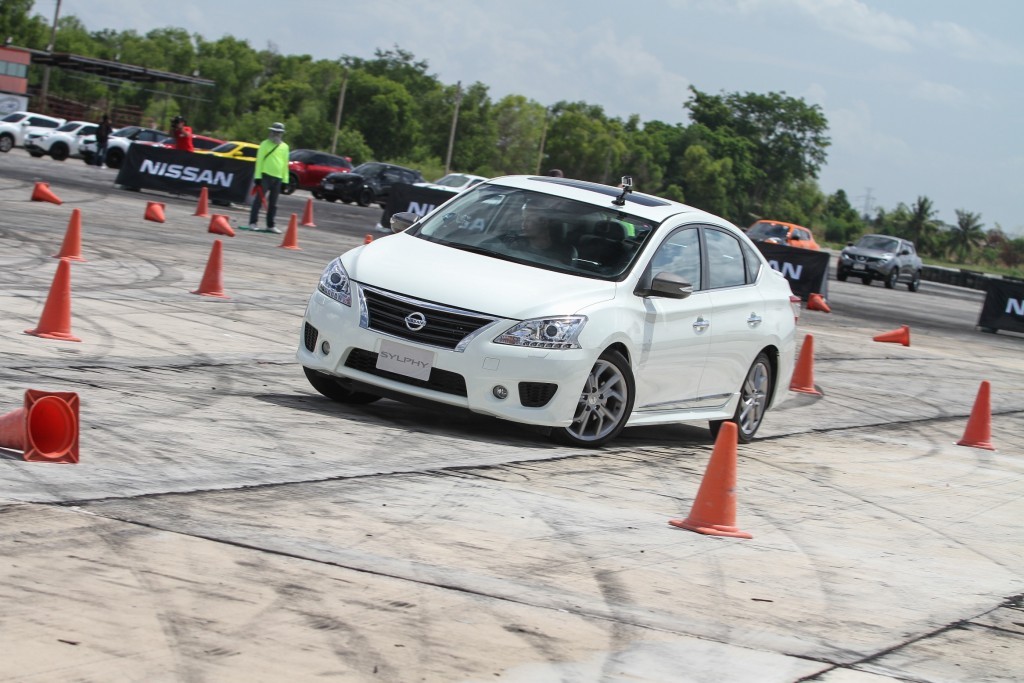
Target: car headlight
[(844, 256), (334, 283), (545, 333)]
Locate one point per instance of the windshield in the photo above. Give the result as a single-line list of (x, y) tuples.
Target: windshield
[(68, 127), (879, 243), (13, 118), (539, 230), (453, 180), (763, 230)]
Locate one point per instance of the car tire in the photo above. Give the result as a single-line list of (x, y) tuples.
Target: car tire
[(866, 279), (317, 194), (89, 158), (841, 275), (289, 187), (59, 151), (915, 282), (365, 196), (755, 393), (892, 278), (36, 153), (115, 158), (605, 404), (6, 143), (329, 387), (331, 199)]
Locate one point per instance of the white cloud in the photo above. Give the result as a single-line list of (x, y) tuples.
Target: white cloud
[(939, 93)]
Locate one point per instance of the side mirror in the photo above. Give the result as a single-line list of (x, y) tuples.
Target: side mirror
[(668, 285), (403, 220)]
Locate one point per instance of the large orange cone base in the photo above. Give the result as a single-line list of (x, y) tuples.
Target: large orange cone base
[(72, 247), (979, 427), (213, 280), (155, 212), (42, 193), (803, 375), (307, 215), (46, 428), (219, 225), (202, 207), (816, 302), (900, 336), (291, 236), (714, 510), (55, 322)]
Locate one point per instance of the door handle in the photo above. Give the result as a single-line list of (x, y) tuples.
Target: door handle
[(701, 324), (754, 320)]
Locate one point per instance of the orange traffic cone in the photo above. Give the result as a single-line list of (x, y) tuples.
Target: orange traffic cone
[(803, 375), (307, 215), (219, 225), (202, 209), (212, 283), (979, 427), (714, 510), (291, 236), (55, 322), (900, 336), (46, 428), (155, 212), (72, 247), (816, 302), (42, 193), (368, 238)]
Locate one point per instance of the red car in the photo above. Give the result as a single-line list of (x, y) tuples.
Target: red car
[(307, 167)]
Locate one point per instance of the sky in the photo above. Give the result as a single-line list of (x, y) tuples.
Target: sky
[(922, 97)]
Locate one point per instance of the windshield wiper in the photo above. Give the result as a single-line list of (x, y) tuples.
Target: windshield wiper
[(483, 252)]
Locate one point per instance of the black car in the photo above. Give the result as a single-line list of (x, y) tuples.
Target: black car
[(367, 183), (881, 257)]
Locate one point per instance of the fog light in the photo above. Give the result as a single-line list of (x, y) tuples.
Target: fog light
[(500, 392), (325, 348)]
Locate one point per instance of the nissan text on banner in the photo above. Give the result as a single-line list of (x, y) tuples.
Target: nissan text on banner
[(171, 170), (1004, 306), (805, 269)]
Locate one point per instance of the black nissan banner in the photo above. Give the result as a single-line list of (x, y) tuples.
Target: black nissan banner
[(418, 200), (170, 170), (805, 269), (1004, 306)]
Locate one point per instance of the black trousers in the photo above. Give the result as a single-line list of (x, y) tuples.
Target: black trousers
[(271, 189)]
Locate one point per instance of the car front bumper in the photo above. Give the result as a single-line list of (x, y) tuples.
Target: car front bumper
[(543, 385)]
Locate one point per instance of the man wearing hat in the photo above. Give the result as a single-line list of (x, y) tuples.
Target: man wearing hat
[(271, 171)]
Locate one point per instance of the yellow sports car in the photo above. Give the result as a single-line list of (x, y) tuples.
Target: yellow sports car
[(234, 150)]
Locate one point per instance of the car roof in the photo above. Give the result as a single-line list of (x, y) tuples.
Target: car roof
[(639, 204)]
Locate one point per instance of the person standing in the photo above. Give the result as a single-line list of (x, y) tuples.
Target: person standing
[(182, 134), (103, 132), (271, 172)]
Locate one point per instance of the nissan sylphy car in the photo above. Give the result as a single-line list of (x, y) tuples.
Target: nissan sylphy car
[(579, 307)]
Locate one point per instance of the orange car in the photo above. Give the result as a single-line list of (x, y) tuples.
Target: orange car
[(778, 232)]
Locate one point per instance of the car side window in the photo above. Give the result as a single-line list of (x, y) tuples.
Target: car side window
[(42, 123), (726, 267), (680, 255), (753, 263)]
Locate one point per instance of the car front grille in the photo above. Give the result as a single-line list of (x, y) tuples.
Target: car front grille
[(444, 327), (309, 335), (536, 394), (443, 381)]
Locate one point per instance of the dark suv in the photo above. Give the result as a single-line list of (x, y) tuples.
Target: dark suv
[(367, 183), (307, 167), (881, 257)]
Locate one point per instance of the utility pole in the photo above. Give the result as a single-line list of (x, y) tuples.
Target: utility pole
[(49, 48), (543, 137), (867, 204), (455, 121), (337, 113)]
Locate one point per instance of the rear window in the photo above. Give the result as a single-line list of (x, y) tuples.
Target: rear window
[(764, 230)]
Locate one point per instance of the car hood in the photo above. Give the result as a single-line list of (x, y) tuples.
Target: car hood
[(343, 176), (415, 267)]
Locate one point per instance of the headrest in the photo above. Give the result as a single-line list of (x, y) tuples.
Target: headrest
[(610, 230)]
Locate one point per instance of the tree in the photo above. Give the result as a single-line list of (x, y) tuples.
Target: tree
[(922, 227), (786, 140), (967, 235), (519, 124)]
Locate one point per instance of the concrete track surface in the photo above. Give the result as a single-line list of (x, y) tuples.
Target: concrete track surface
[(227, 523)]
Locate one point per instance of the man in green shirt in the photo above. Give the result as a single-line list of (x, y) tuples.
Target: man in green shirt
[(271, 171)]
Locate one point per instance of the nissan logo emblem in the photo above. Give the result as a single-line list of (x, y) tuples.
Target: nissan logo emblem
[(416, 321)]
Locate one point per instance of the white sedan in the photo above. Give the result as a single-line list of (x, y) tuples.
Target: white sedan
[(454, 182), (581, 307)]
